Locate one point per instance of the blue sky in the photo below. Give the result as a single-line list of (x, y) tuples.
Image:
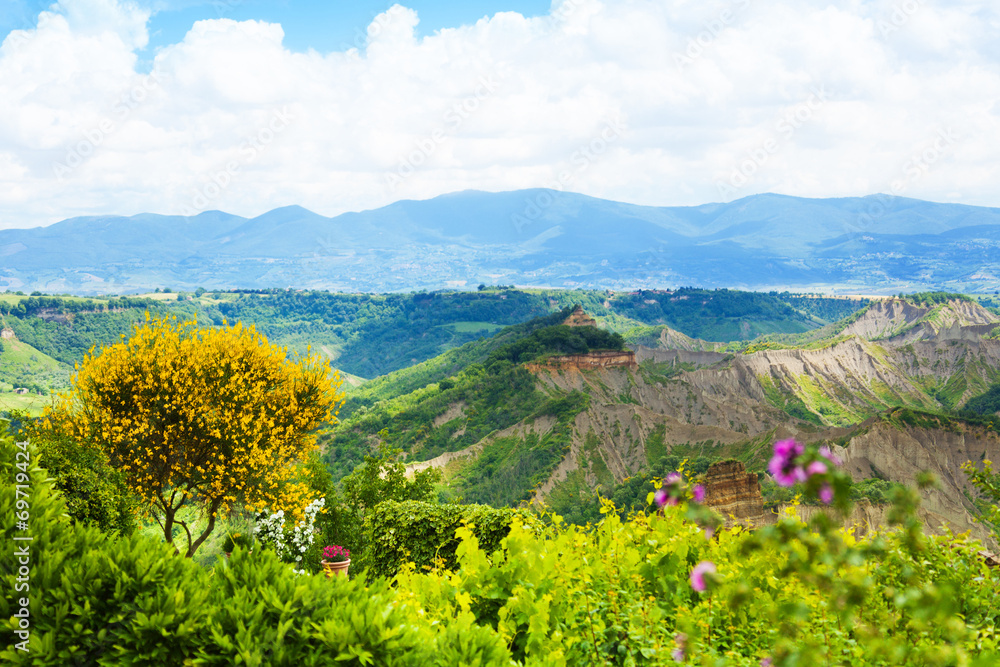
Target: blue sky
[(325, 26), (179, 106)]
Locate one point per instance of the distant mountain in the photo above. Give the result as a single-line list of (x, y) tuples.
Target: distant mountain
[(525, 237)]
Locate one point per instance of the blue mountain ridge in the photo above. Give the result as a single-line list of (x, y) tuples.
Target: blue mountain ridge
[(533, 237)]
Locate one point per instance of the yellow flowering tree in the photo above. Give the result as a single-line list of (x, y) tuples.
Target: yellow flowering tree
[(212, 418)]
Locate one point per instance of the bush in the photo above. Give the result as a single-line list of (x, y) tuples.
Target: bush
[(95, 493), (419, 532), (109, 600)]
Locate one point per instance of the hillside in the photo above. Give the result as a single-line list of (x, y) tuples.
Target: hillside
[(527, 237), (370, 335), (25, 368), (614, 426)]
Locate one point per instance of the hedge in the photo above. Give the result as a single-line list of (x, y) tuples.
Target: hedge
[(421, 533)]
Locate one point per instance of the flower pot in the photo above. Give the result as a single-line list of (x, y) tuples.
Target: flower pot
[(336, 569)]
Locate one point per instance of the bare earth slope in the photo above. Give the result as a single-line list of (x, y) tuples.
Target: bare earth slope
[(698, 402)]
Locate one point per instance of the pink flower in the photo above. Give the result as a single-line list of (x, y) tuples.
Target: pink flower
[(673, 478), (661, 497), (698, 574), (783, 464), (826, 494), (680, 639), (699, 493), (816, 468), (828, 454), (709, 531), (766, 662)]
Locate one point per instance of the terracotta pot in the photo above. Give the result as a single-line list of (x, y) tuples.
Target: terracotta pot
[(336, 569)]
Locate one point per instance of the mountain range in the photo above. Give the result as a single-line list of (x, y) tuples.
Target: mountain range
[(876, 244)]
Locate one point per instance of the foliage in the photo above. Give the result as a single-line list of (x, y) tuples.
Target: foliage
[(380, 478), (107, 600), (70, 337), (934, 298), (987, 483), (493, 395), (560, 340), (622, 592), (237, 539), (629, 496), (425, 533), (987, 403), (95, 493), (714, 315), (205, 417), (378, 334)]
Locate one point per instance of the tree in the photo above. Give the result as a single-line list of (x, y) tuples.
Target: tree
[(206, 419)]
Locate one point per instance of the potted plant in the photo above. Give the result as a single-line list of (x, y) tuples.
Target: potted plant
[(336, 560), (234, 540)]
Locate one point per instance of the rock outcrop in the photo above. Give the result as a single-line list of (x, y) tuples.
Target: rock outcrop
[(579, 318), (735, 494), (588, 361)]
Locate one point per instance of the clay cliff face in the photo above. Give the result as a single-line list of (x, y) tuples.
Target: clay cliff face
[(735, 494), (579, 318), (589, 361)]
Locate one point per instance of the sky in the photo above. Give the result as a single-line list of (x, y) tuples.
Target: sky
[(182, 106)]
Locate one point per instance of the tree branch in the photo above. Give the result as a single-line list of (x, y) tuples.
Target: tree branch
[(212, 510)]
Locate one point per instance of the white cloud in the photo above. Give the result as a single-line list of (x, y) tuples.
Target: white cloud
[(701, 89)]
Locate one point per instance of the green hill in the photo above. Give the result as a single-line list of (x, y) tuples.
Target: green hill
[(24, 367)]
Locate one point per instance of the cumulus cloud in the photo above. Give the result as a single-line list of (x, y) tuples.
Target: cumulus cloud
[(655, 102)]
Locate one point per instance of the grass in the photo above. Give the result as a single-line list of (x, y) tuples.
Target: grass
[(21, 365), (472, 327), (33, 403)]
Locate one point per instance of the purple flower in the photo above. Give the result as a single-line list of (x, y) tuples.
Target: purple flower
[(783, 464), (828, 454), (673, 478), (826, 494), (766, 662), (816, 468), (698, 574), (678, 653), (699, 493), (661, 497)]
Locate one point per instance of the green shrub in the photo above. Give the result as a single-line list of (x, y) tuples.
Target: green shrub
[(98, 599), (418, 532), (95, 493)]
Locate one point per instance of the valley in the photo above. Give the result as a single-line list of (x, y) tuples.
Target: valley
[(517, 398)]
